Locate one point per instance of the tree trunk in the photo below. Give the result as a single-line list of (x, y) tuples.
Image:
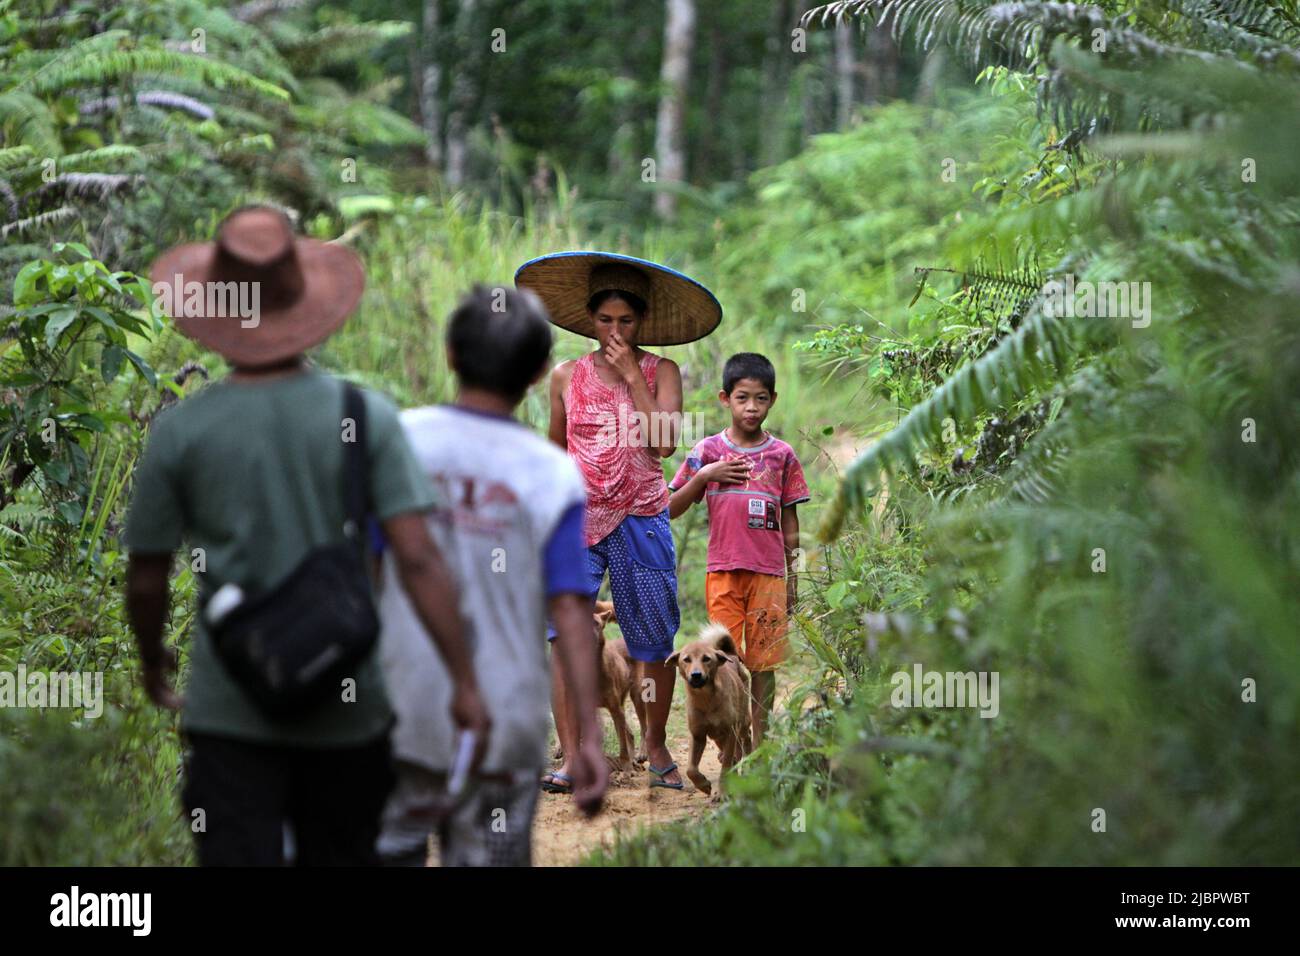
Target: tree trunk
[(430, 84), (931, 71), (470, 41), (882, 53), (670, 132), (621, 160), (845, 69), (887, 52), (710, 157), (776, 83)]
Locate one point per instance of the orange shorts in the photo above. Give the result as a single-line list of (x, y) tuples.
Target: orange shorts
[(752, 606)]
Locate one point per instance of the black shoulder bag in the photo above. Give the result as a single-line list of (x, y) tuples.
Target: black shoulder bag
[(290, 647)]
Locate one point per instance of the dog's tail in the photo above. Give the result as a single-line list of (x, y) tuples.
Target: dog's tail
[(720, 635)]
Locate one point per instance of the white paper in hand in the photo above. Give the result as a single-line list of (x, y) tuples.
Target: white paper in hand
[(460, 767)]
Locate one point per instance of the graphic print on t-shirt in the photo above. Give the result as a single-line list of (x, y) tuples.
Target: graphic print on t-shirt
[(762, 515), (477, 505)]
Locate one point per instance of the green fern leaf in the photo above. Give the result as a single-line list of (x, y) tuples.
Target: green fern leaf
[(1016, 364), (113, 56)]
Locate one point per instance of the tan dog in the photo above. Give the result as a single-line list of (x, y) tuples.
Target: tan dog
[(717, 699), (617, 677)]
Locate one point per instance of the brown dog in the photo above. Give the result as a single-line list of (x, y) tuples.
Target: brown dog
[(617, 677), (717, 699)]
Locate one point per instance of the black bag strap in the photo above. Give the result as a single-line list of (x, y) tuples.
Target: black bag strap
[(356, 492)]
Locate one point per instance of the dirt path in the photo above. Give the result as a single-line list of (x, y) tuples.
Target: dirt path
[(562, 836)]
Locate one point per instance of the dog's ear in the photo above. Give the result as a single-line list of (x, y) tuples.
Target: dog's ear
[(726, 645), (672, 661), (604, 616)]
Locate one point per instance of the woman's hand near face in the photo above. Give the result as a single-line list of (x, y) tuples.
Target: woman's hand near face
[(622, 359)]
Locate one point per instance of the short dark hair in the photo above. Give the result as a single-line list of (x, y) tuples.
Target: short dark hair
[(634, 301), (501, 338), (748, 365)]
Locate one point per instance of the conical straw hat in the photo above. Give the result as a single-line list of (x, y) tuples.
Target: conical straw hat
[(679, 309)]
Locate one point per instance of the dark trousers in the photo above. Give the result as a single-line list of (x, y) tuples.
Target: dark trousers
[(330, 799)]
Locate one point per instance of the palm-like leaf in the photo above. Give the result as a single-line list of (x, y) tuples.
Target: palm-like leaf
[(30, 122), (114, 55), (1033, 355)]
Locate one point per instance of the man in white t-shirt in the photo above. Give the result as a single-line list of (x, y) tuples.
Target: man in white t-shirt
[(509, 525)]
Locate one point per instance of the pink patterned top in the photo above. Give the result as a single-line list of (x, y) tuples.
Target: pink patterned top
[(607, 441)]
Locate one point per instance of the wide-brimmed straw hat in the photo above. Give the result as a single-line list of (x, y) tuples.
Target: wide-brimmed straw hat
[(258, 294), (679, 309)]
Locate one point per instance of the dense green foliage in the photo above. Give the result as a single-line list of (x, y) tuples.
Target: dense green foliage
[(1100, 509), (124, 130), (563, 94)]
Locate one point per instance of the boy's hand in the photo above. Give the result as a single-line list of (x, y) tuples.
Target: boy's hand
[(620, 357), (731, 471), (157, 681), (468, 712), (590, 775)]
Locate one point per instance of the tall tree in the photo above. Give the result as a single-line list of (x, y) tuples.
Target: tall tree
[(776, 83), (712, 149), (623, 154), (470, 41), (880, 65), (430, 80), (670, 133), (846, 67)]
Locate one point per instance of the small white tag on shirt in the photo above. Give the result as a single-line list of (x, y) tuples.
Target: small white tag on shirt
[(757, 506)]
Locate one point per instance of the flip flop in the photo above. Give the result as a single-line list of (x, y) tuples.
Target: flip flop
[(662, 772), (559, 782)]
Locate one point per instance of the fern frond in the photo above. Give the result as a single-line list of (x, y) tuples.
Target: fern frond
[(342, 43), (238, 118), (239, 41), (1252, 29), (13, 157), (382, 92), (20, 516), (257, 9), (112, 156), (1032, 36), (114, 55), (1029, 357), (1002, 289), (257, 144), (22, 252), (363, 123), (52, 218), (96, 187), (160, 98), (1034, 476), (29, 122)]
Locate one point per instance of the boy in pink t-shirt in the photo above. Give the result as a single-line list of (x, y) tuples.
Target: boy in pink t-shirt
[(752, 482)]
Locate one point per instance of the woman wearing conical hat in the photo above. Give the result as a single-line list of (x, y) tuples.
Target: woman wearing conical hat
[(617, 411)]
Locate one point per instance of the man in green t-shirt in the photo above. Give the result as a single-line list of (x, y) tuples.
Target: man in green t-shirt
[(248, 473)]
